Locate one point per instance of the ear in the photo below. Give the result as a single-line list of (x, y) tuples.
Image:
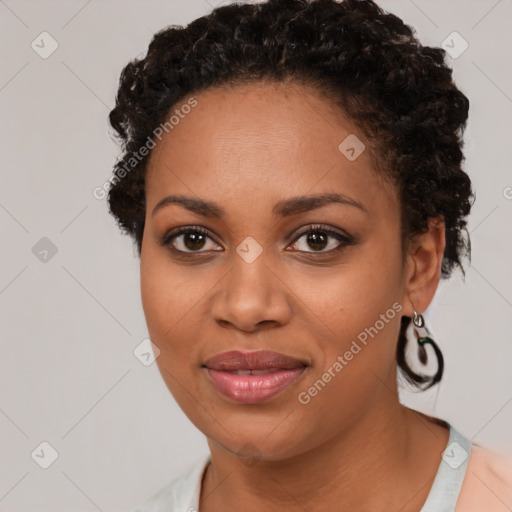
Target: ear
[(423, 267)]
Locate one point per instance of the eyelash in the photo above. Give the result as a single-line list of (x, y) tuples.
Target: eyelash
[(344, 240)]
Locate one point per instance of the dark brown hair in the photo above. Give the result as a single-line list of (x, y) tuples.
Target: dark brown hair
[(400, 93)]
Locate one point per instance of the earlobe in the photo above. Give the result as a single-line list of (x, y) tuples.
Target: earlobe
[(425, 258)]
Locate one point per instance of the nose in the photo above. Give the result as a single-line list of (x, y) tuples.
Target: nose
[(253, 297)]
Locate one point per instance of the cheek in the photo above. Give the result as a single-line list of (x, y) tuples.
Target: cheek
[(352, 297), (167, 300), (166, 292), (176, 310), (358, 311)]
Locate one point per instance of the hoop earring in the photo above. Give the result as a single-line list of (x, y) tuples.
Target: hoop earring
[(423, 336)]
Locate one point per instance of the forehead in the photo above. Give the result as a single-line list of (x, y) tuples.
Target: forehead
[(262, 140)]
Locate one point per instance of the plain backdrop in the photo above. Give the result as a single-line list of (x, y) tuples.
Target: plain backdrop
[(71, 315)]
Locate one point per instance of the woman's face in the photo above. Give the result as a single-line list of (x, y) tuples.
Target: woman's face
[(260, 279)]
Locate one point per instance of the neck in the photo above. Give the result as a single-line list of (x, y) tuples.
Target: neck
[(370, 466)]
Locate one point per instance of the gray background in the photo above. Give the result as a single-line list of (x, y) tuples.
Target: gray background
[(69, 324)]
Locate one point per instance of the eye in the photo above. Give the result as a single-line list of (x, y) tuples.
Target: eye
[(194, 239), (189, 239), (321, 239)]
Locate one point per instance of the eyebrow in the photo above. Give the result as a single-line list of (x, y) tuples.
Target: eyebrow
[(284, 208)]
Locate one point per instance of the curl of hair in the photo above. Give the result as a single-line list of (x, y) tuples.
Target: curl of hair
[(366, 61)]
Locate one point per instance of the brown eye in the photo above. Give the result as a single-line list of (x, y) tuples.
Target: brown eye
[(318, 239), (193, 240), (188, 240)]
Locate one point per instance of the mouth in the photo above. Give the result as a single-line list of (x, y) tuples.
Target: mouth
[(253, 377)]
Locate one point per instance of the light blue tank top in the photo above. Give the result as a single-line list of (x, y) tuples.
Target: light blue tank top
[(182, 495)]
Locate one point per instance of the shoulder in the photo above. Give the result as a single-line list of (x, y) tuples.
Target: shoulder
[(182, 494), (488, 482)]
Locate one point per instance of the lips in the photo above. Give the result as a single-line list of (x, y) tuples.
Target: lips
[(260, 360), (253, 377)]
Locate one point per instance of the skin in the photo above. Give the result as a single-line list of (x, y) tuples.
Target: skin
[(353, 446)]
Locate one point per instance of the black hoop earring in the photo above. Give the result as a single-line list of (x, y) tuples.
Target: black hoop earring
[(423, 337)]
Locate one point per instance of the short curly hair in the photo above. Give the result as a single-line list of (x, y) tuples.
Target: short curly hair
[(399, 93)]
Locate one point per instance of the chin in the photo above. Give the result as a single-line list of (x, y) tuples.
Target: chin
[(259, 443)]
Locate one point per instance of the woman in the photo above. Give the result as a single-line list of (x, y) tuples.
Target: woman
[(291, 176)]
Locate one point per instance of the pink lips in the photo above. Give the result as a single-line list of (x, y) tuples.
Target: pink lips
[(253, 377)]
